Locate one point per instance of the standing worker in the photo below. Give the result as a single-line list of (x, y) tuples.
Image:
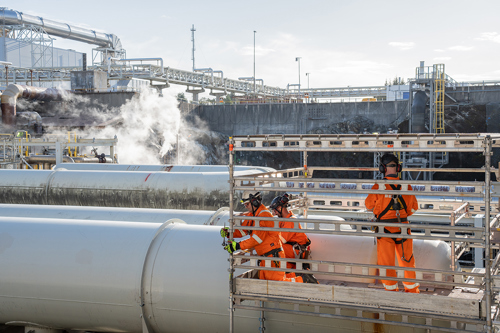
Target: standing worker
[(265, 243), (394, 208), (295, 244)]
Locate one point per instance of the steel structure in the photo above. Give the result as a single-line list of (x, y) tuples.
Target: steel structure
[(478, 289), (28, 152)]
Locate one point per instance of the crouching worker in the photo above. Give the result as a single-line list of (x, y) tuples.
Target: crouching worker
[(295, 244), (265, 243), (394, 209)]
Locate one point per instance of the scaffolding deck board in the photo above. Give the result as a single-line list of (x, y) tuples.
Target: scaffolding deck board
[(366, 142), (455, 303)]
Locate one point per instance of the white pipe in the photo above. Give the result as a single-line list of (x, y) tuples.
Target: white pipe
[(107, 276), (195, 217), (13, 17), (157, 167)]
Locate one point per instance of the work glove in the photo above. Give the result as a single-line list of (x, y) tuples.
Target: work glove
[(232, 246), (224, 232)]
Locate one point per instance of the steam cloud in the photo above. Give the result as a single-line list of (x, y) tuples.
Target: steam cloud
[(146, 126)]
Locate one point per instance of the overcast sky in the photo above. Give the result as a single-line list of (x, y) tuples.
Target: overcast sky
[(341, 43)]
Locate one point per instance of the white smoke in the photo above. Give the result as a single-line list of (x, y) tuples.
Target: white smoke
[(148, 126)]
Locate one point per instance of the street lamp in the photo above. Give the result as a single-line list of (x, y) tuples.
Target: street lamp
[(298, 59), (254, 88)]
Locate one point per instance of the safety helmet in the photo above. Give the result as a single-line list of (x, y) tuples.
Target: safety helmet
[(254, 197), (280, 200), (386, 159)]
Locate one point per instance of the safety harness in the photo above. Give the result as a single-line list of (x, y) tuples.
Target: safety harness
[(397, 203)]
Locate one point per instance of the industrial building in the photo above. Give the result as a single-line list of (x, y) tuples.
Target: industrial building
[(87, 244)]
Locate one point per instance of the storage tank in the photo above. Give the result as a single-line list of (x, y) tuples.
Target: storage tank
[(107, 276), (139, 189)]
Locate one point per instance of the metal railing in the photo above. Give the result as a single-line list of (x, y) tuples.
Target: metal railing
[(460, 236)]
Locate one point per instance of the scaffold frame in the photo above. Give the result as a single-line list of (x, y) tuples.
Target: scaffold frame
[(461, 236)]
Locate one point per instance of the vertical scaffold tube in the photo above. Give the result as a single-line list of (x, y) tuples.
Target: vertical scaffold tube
[(487, 263), (231, 230)]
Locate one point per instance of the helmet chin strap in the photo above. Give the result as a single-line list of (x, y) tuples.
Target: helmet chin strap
[(280, 213), (391, 175)]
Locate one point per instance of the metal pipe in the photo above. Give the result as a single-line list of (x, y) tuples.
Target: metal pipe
[(180, 190), (13, 17), (14, 91), (106, 276), (158, 167), (197, 217), (144, 59), (487, 232)]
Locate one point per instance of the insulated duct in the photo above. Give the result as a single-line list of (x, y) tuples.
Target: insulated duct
[(104, 276), (137, 189), (64, 30), (418, 112), (158, 167), (207, 217), (14, 91)]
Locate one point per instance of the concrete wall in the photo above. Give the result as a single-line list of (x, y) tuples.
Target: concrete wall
[(303, 118)]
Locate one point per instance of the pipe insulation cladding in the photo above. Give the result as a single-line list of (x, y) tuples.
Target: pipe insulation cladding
[(108, 276), (180, 190), (150, 215), (64, 30), (157, 167)]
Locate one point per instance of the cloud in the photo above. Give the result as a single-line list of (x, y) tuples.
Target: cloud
[(460, 48), (442, 58), (403, 46), (438, 50), (490, 36)]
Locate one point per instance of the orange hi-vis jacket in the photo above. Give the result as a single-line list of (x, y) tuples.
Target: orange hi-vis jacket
[(379, 203), (292, 237), (246, 223), (262, 241)]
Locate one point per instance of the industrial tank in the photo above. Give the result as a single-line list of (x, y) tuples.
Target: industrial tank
[(180, 190), (109, 276)]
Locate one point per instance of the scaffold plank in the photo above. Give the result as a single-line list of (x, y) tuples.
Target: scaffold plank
[(366, 142)]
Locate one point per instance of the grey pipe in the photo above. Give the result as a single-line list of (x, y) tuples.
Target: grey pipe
[(13, 17)]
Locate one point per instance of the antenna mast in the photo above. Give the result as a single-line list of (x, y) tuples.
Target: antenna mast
[(192, 39)]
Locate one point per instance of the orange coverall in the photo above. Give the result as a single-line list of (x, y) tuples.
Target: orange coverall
[(291, 237), (388, 248), (264, 242)]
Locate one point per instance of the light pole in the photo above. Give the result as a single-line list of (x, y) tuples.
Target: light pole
[(308, 93), (254, 88), (298, 59)]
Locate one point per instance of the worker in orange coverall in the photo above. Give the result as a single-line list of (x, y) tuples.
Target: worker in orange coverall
[(394, 208), (265, 243), (295, 244)]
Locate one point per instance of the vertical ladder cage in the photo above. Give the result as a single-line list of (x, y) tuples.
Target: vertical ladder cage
[(334, 301)]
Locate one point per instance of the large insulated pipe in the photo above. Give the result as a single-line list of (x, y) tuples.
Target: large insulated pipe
[(64, 30), (107, 276), (206, 217), (14, 91), (418, 112), (180, 190), (158, 167)]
